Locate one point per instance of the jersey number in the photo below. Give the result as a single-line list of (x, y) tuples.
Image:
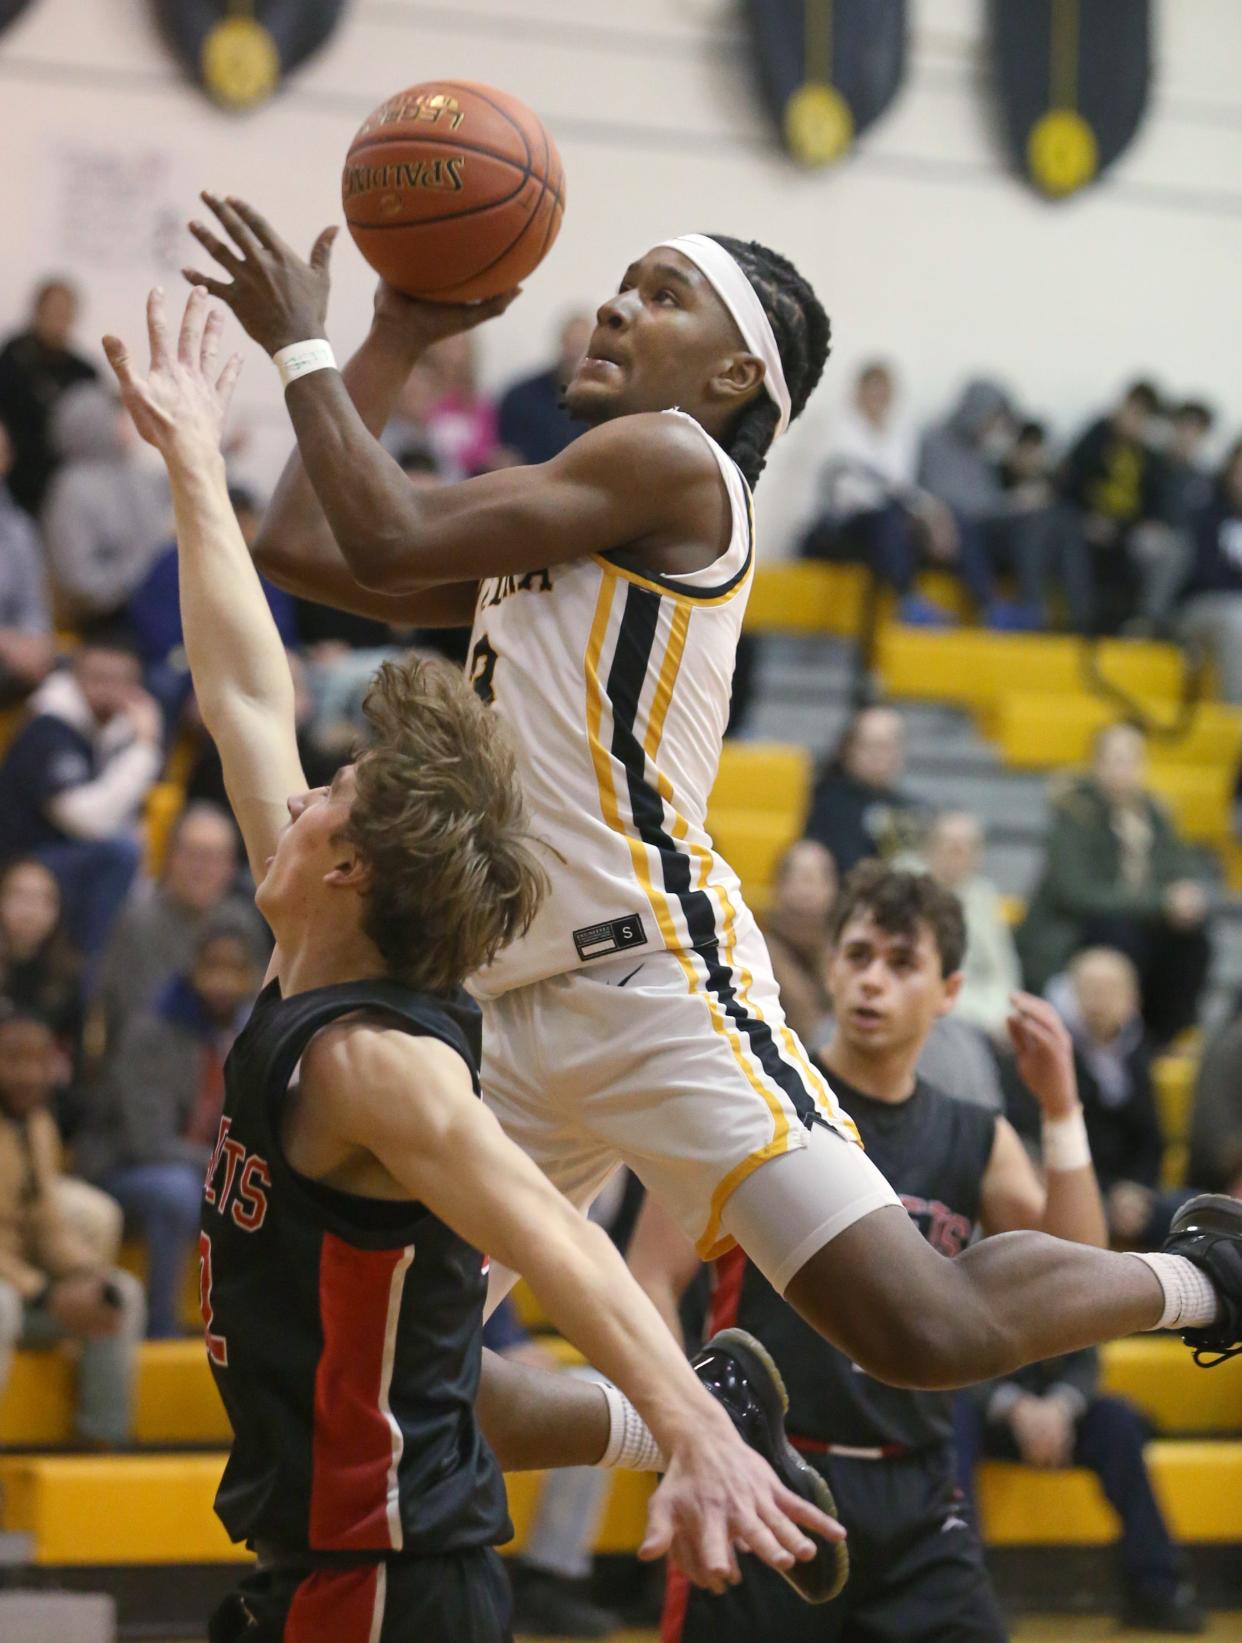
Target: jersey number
[(483, 661), (217, 1346)]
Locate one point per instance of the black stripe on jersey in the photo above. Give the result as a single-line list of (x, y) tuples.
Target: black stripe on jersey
[(630, 663), (688, 590)]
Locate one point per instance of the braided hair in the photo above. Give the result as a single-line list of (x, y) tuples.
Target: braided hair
[(802, 331)]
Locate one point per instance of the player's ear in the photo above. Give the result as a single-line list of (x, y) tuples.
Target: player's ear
[(351, 872), (952, 987), (738, 379)]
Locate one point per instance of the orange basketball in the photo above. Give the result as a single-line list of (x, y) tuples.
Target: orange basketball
[(453, 191)]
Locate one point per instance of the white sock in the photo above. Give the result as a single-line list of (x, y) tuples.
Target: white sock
[(1190, 1299), (631, 1446)]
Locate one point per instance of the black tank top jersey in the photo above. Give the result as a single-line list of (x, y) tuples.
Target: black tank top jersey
[(344, 1332), (934, 1151)]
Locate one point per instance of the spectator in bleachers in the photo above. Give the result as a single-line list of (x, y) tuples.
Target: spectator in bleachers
[(25, 623), (1113, 480), (153, 615), (162, 919), (37, 365), (1116, 874), (1216, 1114), (105, 515), (1186, 481), (53, 1284), (157, 1113), (463, 424), (40, 968), (796, 927), (872, 511), (1016, 529), (1045, 554), (1053, 1415), (1212, 611), (990, 972), (533, 423), (74, 779), (857, 807)]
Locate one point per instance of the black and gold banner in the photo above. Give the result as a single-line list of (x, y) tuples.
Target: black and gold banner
[(1072, 77), (240, 50), (10, 10), (828, 69)]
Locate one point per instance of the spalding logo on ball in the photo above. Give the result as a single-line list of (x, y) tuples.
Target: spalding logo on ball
[(453, 191)]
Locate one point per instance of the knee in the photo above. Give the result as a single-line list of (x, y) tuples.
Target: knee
[(131, 1302), (174, 1194), (10, 1316)]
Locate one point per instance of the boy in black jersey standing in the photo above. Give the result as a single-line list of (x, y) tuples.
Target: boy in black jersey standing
[(917, 1567), (355, 1174)]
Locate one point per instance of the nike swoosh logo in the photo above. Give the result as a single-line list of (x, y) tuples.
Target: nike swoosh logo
[(631, 975)]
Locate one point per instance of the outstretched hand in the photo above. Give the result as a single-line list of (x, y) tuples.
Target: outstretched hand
[(278, 297), (180, 405), (719, 1497)]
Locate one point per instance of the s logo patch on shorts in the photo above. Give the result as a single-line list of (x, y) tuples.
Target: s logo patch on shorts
[(600, 940)]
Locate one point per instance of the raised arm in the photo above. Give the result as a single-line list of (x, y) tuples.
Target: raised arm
[(642, 482), (1066, 1203), (241, 676), (410, 1105)]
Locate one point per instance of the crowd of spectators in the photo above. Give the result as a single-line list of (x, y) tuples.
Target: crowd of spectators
[(1126, 530)]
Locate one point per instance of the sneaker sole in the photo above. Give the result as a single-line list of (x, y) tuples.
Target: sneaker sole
[(770, 1387)]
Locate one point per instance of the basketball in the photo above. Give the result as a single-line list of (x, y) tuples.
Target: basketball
[(453, 191)]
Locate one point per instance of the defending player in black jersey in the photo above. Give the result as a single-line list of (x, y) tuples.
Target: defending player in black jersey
[(917, 1569), (356, 1174)]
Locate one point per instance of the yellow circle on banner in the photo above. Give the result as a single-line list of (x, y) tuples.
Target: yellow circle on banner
[(1061, 151), (241, 64), (818, 124)]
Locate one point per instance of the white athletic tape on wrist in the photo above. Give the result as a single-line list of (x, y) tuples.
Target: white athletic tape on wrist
[(631, 1447), (1190, 1299), (1064, 1142), (299, 359)]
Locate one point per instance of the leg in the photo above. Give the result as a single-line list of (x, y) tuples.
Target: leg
[(1174, 971), (165, 1200), (877, 1290), (1110, 1443), (95, 1217), (106, 1370), (1215, 620), (973, 564)]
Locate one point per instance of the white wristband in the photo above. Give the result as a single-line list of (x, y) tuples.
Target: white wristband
[(630, 1447), (1064, 1142), (299, 359)]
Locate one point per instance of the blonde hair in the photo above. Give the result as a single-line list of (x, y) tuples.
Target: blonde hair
[(439, 818)]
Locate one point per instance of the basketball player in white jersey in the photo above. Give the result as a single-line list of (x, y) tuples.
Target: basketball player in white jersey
[(638, 1020)]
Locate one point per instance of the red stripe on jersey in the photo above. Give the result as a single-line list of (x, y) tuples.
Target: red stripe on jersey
[(727, 1279), (356, 1445), (676, 1601), (334, 1603)]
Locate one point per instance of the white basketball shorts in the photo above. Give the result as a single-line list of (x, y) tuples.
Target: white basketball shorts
[(685, 1069)]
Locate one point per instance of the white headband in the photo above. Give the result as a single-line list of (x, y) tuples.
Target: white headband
[(726, 277)]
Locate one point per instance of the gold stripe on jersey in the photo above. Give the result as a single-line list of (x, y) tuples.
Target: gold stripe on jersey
[(661, 902)]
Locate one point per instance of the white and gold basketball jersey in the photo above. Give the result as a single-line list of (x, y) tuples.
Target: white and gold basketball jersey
[(616, 685)]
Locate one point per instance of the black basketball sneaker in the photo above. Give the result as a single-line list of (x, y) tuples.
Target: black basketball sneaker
[(740, 1374), (1208, 1231)]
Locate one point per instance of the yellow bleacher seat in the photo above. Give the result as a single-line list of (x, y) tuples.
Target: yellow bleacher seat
[(1157, 1373), (1043, 730), (773, 775), (801, 596), (1199, 1485), (752, 841), (175, 1398), (977, 668), (1199, 798)]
